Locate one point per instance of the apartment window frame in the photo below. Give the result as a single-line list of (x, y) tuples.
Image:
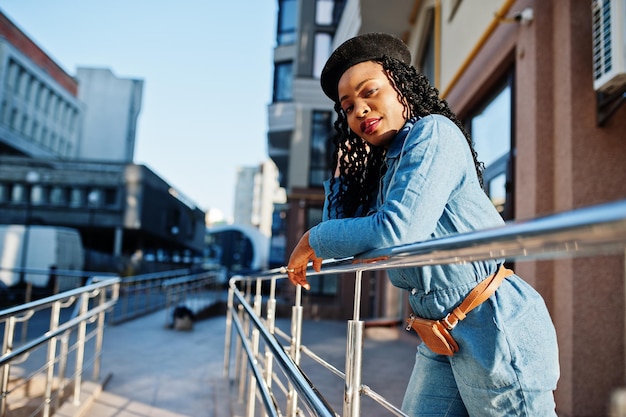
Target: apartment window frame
[(320, 146), (287, 25), (499, 173), (283, 81)]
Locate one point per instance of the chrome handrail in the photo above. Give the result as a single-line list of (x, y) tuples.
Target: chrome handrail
[(588, 231), (93, 301)]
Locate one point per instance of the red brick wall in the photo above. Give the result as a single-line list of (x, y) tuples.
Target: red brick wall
[(19, 40)]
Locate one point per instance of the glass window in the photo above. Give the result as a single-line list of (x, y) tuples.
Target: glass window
[(283, 81), (287, 20), (324, 12), (5, 191), (77, 197), (58, 196), (427, 61), (323, 46), (321, 136), (491, 128), (39, 195), (18, 193)]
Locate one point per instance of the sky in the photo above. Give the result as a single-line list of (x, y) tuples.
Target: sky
[(206, 66)]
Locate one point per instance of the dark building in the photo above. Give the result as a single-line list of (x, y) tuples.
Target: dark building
[(130, 220)]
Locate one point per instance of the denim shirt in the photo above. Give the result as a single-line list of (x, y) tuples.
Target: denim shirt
[(430, 190)]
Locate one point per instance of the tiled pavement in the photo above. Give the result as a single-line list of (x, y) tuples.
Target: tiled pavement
[(155, 371)]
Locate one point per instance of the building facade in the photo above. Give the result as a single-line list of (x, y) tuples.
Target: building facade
[(108, 98), (540, 86), (40, 112), (66, 159)]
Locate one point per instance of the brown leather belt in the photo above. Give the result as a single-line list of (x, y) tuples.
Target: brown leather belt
[(477, 296)]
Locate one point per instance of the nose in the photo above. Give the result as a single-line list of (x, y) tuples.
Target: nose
[(361, 109)]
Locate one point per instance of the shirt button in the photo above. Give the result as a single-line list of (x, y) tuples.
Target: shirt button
[(414, 291)]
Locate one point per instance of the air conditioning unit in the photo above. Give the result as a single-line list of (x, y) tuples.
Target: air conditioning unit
[(609, 45)]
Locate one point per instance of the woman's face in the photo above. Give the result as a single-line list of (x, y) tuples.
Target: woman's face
[(370, 103)]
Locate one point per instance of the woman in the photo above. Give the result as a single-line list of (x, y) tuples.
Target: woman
[(406, 171)]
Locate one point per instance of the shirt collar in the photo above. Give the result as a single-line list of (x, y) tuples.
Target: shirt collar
[(396, 145)]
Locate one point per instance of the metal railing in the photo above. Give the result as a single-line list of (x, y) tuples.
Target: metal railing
[(147, 293), (45, 366), (53, 363), (584, 232)]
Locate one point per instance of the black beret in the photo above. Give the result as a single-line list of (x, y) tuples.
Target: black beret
[(361, 48)]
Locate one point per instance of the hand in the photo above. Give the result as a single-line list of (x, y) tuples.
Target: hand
[(298, 261)]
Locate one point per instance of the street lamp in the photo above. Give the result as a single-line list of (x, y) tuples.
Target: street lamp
[(32, 177)]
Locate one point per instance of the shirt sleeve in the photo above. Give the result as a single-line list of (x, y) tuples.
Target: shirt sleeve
[(415, 192)]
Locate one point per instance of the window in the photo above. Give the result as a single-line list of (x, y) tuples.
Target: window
[(77, 197), (321, 132), (324, 12), (427, 56), (39, 195), (58, 196), (491, 127), (18, 194), (323, 46), (287, 20), (283, 81), (5, 192)]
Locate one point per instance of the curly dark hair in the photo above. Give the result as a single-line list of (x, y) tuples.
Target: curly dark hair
[(363, 164)]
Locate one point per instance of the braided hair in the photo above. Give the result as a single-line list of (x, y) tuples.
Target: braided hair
[(362, 165)]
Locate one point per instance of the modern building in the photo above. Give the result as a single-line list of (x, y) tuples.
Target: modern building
[(66, 159), (300, 124), (541, 86), (130, 220), (108, 98), (257, 192), (41, 115)]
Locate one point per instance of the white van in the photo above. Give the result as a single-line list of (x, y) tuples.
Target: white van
[(48, 247)]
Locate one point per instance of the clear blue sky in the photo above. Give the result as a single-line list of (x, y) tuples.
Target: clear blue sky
[(207, 71)]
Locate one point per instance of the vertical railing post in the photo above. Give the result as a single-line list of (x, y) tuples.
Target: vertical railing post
[(99, 337), (354, 356), (271, 326), (296, 343), (228, 336), (7, 347), (254, 343), (55, 313), (80, 346), (243, 363), (62, 367)]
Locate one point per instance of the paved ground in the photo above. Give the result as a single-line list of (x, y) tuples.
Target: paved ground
[(156, 371)]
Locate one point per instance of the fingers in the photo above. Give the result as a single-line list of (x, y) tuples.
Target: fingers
[(317, 264), (298, 277)]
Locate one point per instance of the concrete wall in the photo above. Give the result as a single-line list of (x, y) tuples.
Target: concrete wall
[(112, 107)]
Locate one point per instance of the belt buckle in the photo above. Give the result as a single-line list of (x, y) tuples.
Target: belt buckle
[(447, 323)]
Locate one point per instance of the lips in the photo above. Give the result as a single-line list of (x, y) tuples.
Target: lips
[(369, 125)]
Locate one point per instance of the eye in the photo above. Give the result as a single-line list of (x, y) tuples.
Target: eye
[(348, 109), (370, 92)]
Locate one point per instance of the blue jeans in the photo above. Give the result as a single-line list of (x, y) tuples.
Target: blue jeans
[(507, 363)]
